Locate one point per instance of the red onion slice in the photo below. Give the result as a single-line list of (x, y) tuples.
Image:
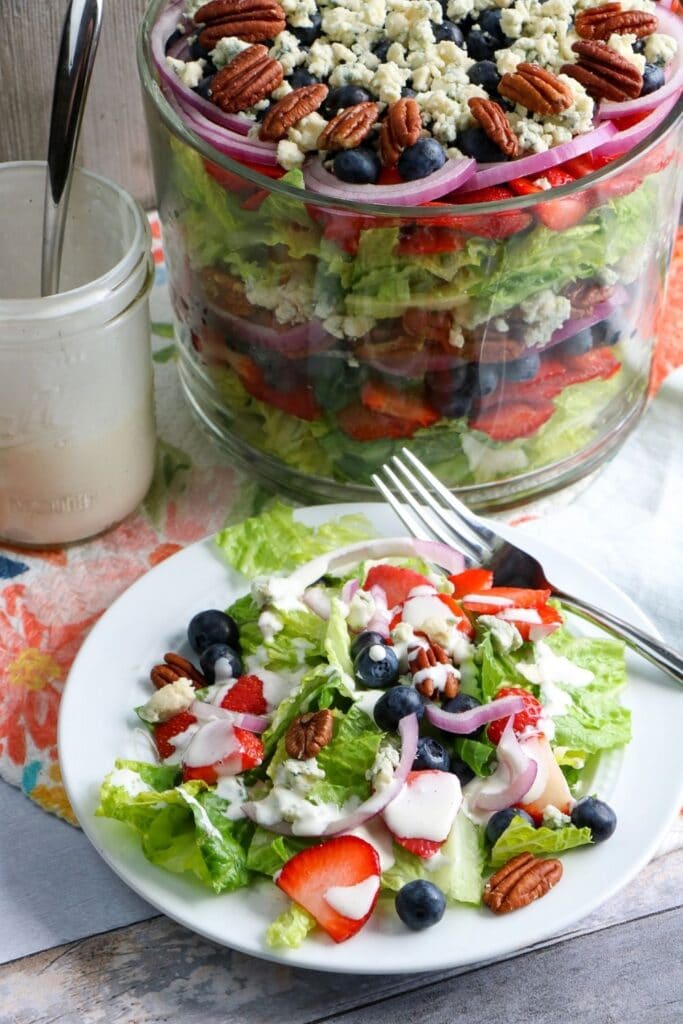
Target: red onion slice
[(408, 731), (512, 779), (440, 554), (379, 623), (205, 712), (626, 140), (317, 600), (528, 166), (463, 722), (671, 25), (186, 97), (225, 141), (600, 311), (348, 590), (303, 339), (409, 193)]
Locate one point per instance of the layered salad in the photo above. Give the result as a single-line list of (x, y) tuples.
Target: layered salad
[(375, 730), (406, 248)]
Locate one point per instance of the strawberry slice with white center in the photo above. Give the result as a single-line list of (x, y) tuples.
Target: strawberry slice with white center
[(337, 882), (422, 815), (533, 623), (221, 748), (169, 734), (494, 599), (395, 581)]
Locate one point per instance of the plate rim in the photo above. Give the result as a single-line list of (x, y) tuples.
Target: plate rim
[(298, 958)]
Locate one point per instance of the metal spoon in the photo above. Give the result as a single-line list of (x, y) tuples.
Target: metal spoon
[(80, 35)]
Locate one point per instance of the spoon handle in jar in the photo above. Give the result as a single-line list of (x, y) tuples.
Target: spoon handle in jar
[(77, 49)]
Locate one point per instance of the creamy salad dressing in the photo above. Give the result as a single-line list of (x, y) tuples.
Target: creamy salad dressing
[(375, 833), (125, 778), (231, 788), (181, 742), (426, 808), (270, 625), (438, 674), (214, 741), (353, 901)]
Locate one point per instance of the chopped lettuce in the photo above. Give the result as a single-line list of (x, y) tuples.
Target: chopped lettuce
[(183, 828), (458, 871), (337, 640), (290, 928), (320, 687), (475, 753), (268, 852), (299, 641), (521, 837), (275, 542), (347, 761)]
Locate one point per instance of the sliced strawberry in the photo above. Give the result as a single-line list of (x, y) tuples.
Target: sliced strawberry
[(495, 599), (317, 872), (546, 620), (424, 848), (429, 240), (558, 176), (513, 419), (393, 401), (300, 403), (463, 623), (492, 225), (395, 581), (244, 751), (557, 214), (364, 424), (246, 695), (164, 732), (525, 719), (471, 581), (524, 186), (389, 176), (597, 362)]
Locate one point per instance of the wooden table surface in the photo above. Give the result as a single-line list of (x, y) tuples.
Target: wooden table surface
[(621, 965)]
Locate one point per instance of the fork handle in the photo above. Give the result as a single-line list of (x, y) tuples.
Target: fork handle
[(664, 657)]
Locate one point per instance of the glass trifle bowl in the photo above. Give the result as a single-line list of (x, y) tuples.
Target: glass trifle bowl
[(495, 316)]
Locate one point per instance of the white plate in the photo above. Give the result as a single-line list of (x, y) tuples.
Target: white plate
[(110, 677)]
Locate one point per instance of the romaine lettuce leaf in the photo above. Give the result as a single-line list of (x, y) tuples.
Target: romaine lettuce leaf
[(348, 759), (275, 542), (300, 641), (290, 928), (521, 837), (337, 640), (268, 852), (321, 687), (459, 876), (183, 828)]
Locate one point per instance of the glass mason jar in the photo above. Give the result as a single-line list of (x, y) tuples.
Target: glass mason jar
[(508, 344), (77, 434)]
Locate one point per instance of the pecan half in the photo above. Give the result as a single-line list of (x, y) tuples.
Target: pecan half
[(601, 22), (494, 122), (250, 77), (176, 667), (252, 20), (349, 127), (309, 733), (428, 678), (522, 880), (584, 296), (536, 89), (290, 109), (401, 128), (424, 323), (604, 73)]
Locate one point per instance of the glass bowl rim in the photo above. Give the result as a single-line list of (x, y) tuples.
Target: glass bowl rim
[(273, 185)]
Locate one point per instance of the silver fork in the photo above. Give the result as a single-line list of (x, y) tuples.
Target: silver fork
[(430, 510)]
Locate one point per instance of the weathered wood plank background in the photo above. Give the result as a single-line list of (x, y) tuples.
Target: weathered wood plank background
[(114, 139)]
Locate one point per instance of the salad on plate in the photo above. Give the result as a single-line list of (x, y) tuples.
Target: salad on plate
[(376, 730), (404, 248)]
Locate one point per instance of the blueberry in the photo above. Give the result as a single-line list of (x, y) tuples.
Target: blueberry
[(449, 32), (487, 379), (359, 166), (212, 627), (638, 46), (174, 37), (653, 79), (307, 34), (380, 49), (376, 667), (525, 368), (464, 702), (489, 22), (596, 815), (407, 91), (300, 77), (204, 87), (365, 639), (607, 332), (453, 405), (343, 96), (420, 904), (335, 383), (281, 374), (421, 159), (481, 45), (578, 343), (475, 142), (499, 821), (462, 770), (395, 704), (485, 74), (449, 380), (431, 756), (222, 661), (197, 51)]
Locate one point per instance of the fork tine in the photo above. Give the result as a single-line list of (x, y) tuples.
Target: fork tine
[(405, 515), (470, 520), (456, 530), (431, 521)]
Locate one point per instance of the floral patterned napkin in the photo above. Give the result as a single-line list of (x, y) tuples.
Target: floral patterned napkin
[(50, 599)]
